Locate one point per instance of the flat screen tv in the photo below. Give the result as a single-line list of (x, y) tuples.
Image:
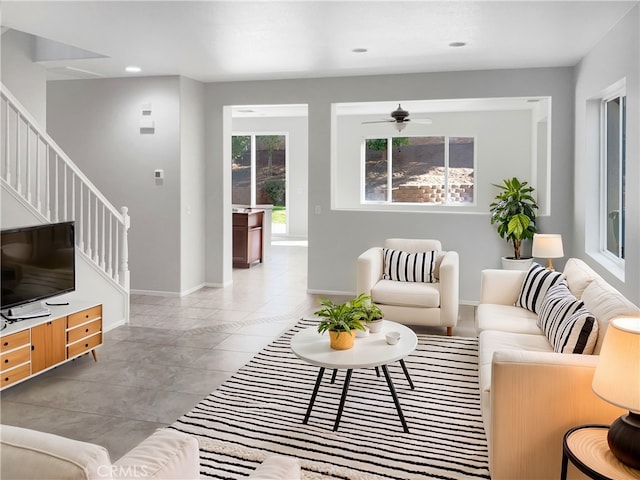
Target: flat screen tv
[(37, 263)]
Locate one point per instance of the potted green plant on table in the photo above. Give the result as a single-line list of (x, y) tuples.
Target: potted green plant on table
[(341, 321), (514, 214), (368, 312)]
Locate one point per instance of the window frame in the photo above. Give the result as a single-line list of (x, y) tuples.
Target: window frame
[(617, 90), (389, 201)]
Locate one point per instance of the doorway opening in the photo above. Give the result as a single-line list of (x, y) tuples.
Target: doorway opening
[(270, 164)]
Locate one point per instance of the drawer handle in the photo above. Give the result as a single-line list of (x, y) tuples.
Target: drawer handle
[(86, 330), (6, 360), (86, 345), (6, 379), (6, 343)]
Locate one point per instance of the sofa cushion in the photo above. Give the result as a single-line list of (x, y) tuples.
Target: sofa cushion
[(606, 303), (578, 276), (569, 326), (28, 453), (535, 286), (277, 467), (409, 267), (410, 294), (165, 454), (507, 318), (492, 341)]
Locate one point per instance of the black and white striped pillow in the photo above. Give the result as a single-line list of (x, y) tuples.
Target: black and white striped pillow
[(409, 267), (535, 286), (568, 325)]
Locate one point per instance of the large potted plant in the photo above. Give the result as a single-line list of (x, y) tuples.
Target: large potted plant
[(341, 321), (514, 214)]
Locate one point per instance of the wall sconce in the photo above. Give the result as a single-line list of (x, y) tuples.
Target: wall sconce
[(617, 381), (547, 245)]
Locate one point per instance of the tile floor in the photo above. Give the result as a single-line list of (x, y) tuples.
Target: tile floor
[(172, 354)]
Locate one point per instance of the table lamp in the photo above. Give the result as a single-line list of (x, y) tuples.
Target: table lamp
[(547, 245), (617, 381)]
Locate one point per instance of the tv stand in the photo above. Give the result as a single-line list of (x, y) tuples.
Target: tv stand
[(23, 312), (35, 345)]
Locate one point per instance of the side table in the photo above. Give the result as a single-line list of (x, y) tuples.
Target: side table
[(587, 448)]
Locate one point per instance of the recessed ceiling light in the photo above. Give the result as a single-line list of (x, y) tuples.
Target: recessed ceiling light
[(133, 69), (457, 44), (359, 50)]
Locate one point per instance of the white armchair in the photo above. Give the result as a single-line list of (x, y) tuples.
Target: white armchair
[(413, 303)]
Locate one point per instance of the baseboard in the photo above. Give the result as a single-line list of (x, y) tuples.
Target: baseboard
[(330, 292), (155, 293), (473, 303), (218, 285), (115, 325)]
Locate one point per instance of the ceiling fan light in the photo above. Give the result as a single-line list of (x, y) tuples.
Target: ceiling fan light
[(400, 126)]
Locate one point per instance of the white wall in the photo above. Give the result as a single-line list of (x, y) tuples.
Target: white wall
[(336, 238), (297, 168), (97, 123), (617, 56), (192, 185), (25, 79)]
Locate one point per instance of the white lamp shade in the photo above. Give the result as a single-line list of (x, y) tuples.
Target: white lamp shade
[(617, 376), (547, 245)]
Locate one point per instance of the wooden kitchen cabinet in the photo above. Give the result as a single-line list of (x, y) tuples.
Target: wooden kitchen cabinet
[(247, 237)]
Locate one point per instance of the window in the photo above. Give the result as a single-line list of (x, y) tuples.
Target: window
[(612, 167), (435, 170), (258, 171)]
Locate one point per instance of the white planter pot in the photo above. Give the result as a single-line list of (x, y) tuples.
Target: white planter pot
[(513, 264), (375, 326)]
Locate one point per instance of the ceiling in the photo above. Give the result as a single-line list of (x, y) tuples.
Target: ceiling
[(213, 41)]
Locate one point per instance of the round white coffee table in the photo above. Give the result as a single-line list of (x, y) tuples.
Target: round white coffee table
[(371, 351)]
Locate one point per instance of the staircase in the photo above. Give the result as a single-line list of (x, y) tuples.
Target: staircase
[(39, 176)]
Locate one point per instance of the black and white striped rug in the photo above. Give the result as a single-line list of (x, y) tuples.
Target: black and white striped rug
[(258, 412)]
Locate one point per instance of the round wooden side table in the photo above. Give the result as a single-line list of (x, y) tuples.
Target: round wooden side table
[(587, 448)]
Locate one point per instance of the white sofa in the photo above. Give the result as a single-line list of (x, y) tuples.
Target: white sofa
[(531, 395), (413, 303), (166, 454)]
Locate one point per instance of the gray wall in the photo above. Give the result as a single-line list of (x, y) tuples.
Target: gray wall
[(97, 123), (192, 185), (336, 238), (25, 79), (617, 56)]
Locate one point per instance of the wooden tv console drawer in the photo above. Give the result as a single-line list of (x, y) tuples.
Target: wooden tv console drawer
[(32, 346), (15, 340)]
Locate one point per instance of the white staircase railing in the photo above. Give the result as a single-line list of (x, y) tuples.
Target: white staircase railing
[(44, 177)]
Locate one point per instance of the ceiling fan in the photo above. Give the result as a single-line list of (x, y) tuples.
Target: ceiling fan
[(400, 118)]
